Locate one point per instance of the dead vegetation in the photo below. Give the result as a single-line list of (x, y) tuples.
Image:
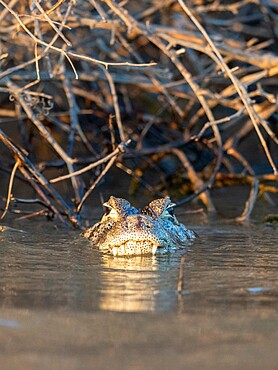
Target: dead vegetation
[(178, 96)]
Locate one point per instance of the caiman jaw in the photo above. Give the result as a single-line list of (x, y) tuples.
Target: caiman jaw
[(135, 248)]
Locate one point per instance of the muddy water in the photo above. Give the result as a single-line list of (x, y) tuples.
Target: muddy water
[(64, 305)]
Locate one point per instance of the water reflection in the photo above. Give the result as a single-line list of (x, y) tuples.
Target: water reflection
[(136, 284)]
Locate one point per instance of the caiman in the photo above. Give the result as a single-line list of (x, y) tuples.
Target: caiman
[(124, 230)]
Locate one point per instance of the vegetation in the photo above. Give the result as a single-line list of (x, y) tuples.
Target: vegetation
[(178, 96)]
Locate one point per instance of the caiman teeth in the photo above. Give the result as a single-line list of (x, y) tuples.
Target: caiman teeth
[(134, 248)]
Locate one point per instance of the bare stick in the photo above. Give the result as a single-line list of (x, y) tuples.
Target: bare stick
[(32, 171), (55, 6), (45, 15), (241, 159), (116, 105), (180, 285), (41, 193), (103, 173), (195, 179), (10, 190), (249, 205), (120, 149), (218, 122), (45, 133), (33, 214)]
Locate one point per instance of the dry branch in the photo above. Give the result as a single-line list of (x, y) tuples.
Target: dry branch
[(187, 84)]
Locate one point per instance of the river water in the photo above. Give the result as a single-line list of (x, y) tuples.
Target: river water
[(65, 305)]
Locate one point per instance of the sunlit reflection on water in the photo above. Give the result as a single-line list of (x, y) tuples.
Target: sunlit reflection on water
[(129, 284)]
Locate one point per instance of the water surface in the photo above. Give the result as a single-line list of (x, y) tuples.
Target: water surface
[(229, 265), (57, 291)]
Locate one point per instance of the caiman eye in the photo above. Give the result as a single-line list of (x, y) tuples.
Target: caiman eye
[(107, 211), (171, 211)]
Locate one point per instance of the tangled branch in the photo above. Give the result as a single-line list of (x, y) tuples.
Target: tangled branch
[(188, 85)]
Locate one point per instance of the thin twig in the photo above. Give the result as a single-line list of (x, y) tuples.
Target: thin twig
[(195, 179), (249, 205), (96, 182), (10, 189), (115, 104), (180, 285), (120, 149)]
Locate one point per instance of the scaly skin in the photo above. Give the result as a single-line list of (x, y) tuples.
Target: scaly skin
[(162, 210), (124, 231), (117, 209)]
